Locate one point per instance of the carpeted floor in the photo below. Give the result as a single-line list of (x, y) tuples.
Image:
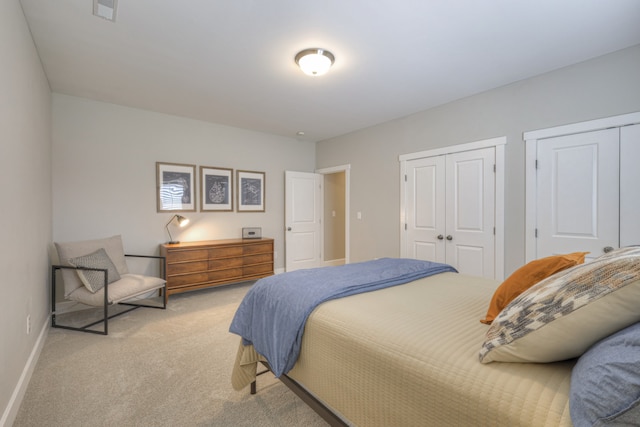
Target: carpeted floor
[(156, 368)]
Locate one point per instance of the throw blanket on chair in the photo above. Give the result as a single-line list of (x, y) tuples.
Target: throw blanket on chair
[(273, 313)]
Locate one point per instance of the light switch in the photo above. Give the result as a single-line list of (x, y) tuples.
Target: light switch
[(359, 215)]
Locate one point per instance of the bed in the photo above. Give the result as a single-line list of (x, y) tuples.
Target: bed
[(411, 354)]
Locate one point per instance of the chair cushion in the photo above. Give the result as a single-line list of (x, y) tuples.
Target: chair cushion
[(92, 279), (112, 246), (562, 316), (129, 286)]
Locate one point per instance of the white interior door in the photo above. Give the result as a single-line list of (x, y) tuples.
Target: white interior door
[(450, 207), (425, 209), (469, 235), (578, 193), (303, 213)]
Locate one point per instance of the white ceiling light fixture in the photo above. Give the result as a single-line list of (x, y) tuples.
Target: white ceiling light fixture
[(315, 62), (105, 9)]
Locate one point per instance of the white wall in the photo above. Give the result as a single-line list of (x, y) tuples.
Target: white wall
[(602, 87), (104, 173), (25, 207)]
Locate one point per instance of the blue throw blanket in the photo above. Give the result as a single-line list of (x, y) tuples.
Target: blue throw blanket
[(273, 313)]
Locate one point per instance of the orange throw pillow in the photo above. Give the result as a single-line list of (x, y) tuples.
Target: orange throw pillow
[(527, 276)]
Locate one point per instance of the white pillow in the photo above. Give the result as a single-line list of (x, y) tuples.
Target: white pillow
[(562, 316)]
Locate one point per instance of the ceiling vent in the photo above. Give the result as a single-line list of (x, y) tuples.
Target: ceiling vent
[(105, 9)]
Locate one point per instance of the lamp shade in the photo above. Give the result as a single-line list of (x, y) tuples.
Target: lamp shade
[(182, 221), (315, 62)]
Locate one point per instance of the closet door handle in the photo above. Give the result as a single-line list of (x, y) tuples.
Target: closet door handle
[(607, 249), (440, 237), (449, 237)]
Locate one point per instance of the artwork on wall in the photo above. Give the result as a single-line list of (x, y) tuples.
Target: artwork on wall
[(217, 189), (175, 187), (250, 191)]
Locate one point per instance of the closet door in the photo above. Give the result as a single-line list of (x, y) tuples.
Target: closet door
[(578, 193), (470, 200), (630, 185), (425, 209), (450, 210)]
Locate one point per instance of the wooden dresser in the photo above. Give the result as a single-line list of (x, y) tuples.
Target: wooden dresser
[(197, 265)]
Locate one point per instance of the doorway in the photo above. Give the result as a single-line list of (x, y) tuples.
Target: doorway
[(334, 214), (336, 184)]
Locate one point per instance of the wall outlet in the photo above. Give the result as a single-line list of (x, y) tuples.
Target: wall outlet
[(28, 324)]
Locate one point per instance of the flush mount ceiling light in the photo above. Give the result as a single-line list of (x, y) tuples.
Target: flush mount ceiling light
[(315, 62)]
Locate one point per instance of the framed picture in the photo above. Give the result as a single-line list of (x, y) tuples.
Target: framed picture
[(250, 191), (176, 187), (217, 189)]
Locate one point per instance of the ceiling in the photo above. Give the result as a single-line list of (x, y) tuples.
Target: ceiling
[(232, 61)]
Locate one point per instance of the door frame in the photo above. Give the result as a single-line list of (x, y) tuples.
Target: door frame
[(347, 183), (499, 144), (531, 140)]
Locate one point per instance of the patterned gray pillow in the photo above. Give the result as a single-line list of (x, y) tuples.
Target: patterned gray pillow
[(94, 280), (563, 315)]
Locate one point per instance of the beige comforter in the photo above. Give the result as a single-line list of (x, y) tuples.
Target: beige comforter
[(408, 356)]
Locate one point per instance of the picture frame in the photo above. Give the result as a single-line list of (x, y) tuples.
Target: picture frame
[(216, 189), (175, 187), (250, 191)]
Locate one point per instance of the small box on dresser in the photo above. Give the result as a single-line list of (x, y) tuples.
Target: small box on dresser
[(203, 264)]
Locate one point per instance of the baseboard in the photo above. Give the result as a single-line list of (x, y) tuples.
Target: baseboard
[(11, 411), (278, 271)]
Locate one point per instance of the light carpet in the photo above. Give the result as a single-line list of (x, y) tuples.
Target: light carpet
[(156, 368)]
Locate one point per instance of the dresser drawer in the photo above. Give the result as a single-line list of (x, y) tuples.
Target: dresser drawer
[(190, 255), (225, 252), (216, 264), (258, 248), (257, 269), (187, 279), (229, 274), (187, 267), (257, 259)]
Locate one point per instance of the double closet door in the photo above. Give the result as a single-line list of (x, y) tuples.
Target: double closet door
[(587, 192), (450, 210)]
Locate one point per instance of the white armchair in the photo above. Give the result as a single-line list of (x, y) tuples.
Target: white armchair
[(95, 273)]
